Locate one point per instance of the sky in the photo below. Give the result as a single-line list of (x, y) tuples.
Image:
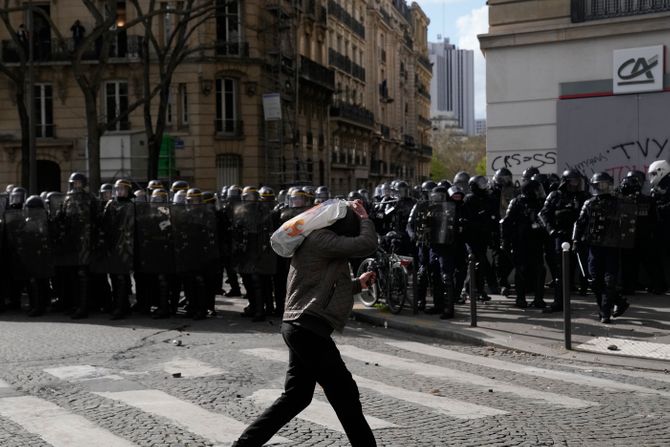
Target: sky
[(461, 21)]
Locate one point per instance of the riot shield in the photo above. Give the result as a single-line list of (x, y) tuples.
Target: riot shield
[(28, 243), (442, 223), (267, 261), (247, 233), (628, 214), (194, 229), (118, 241), (74, 219), (154, 247), (507, 193)]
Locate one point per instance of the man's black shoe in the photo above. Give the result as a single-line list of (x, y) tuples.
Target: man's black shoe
[(521, 303), (432, 311), (605, 320), (551, 309), (538, 304), (621, 309)]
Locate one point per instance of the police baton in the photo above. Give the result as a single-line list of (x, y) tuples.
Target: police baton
[(565, 270), (473, 297)]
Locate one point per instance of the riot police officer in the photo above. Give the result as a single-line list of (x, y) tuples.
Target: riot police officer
[(272, 293), (480, 214), (503, 192), (523, 236), (462, 180), (106, 193), (152, 186), (232, 200), (599, 226), (659, 180), (321, 195), (558, 216)]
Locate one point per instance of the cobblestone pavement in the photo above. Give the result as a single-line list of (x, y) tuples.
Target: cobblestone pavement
[(97, 382)]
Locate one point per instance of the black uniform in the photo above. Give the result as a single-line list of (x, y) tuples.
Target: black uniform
[(480, 214)]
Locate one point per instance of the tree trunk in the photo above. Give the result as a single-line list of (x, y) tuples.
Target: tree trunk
[(24, 121), (93, 144), (154, 147)]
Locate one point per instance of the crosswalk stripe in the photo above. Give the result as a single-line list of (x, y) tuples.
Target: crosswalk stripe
[(489, 362), (659, 377), (455, 375), (451, 407), (57, 426), (317, 412), (213, 426), (3, 384), (191, 368), (80, 373)]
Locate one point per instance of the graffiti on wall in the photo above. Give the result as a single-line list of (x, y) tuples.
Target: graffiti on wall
[(519, 161)]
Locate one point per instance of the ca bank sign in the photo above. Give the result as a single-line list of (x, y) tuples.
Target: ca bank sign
[(638, 70)]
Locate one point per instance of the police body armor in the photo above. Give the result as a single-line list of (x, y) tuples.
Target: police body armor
[(442, 222), (506, 194), (74, 220), (194, 229), (289, 213), (267, 262), (28, 243), (118, 228), (3, 205), (418, 223), (400, 214), (154, 247), (247, 237), (611, 223)]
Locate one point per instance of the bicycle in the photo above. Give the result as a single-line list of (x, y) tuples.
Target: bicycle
[(392, 271)]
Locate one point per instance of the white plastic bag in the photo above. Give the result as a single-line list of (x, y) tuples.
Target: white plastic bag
[(286, 240)]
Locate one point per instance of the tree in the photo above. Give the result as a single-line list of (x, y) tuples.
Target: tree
[(456, 152), (164, 56)]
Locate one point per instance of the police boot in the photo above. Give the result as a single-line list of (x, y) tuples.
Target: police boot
[(450, 297), (521, 302), (35, 298), (82, 282), (120, 292), (163, 310), (257, 301)]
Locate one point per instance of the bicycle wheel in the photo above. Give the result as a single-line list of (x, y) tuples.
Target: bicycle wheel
[(370, 296), (397, 290)]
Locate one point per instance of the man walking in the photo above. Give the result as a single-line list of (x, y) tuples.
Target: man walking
[(319, 300)]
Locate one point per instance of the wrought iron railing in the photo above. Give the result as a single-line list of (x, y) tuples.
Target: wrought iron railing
[(317, 73), (347, 19), (231, 49), (354, 113), (585, 10)]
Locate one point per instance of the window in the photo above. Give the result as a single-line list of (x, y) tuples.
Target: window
[(44, 110), (183, 105), (167, 22), (228, 169), (116, 105), (227, 27), (226, 107)]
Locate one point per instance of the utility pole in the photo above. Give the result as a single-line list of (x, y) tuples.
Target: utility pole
[(32, 150)]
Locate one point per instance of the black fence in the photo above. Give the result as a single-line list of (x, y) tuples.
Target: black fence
[(585, 10), (354, 113), (347, 19), (317, 73)]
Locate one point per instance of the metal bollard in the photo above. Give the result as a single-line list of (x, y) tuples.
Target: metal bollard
[(473, 294), (415, 286), (565, 271)]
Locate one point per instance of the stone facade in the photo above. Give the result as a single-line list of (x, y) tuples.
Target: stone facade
[(348, 73)]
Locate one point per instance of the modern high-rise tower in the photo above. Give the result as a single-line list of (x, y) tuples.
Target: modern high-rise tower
[(452, 87)]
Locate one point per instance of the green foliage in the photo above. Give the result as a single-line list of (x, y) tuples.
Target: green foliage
[(437, 169), (481, 166)]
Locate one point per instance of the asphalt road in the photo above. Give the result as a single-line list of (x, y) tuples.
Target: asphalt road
[(102, 383)]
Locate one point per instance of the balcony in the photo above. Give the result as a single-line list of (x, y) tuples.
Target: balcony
[(408, 140), (229, 128), (586, 10), (341, 14), (386, 17), (403, 9), (231, 49), (384, 92), (423, 60), (350, 112), (408, 40), (317, 73), (423, 91), (345, 64), (123, 47), (424, 121)]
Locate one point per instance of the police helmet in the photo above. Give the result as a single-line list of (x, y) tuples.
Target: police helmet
[(179, 185), (310, 194), (542, 179), (208, 198), (461, 178), (533, 189), (502, 177), (17, 197), (34, 202), (250, 194), (9, 188), (657, 171), (321, 195), (478, 184), (639, 175), (179, 197), (234, 193), (77, 180), (106, 191), (122, 189), (159, 196), (630, 185), (223, 193), (385, 190), (365, 194), (428, 186), (438, 194), (267, 194), (297, 198), (154, 184), (444, 183), (402, 189), (53, 194), (456, 193), (282, 197), (140, 196), (601, 184), (194, 196), (529, 173), (573, 180), (43, 195), (553, 181), (354, 195)]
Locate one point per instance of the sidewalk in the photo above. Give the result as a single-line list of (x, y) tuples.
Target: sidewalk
[(640, 338)]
